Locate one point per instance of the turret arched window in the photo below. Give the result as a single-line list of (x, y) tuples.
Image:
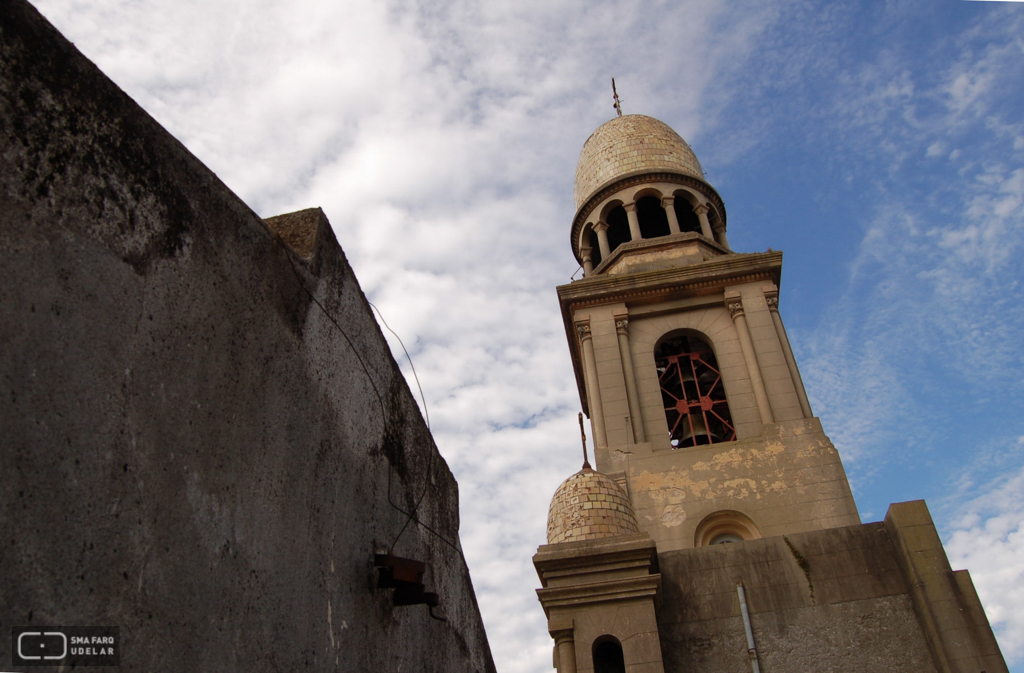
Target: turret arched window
[(652, 218), (692, 391), (688, 221), (618, 227)]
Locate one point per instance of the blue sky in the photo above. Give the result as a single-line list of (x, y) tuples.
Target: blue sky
[(890, 175), (880, 145)]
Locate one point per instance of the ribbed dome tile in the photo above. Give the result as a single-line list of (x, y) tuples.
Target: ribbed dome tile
[(588, 506), (628, 145)]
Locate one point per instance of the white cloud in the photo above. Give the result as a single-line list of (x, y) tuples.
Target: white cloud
[(441, 138), (924, 346), (988, 539), (937, 148), (936, 274)]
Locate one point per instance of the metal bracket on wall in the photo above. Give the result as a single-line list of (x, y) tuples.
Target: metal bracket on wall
[(405, 576)]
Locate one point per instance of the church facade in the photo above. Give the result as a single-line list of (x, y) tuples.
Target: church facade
[(718, 531)]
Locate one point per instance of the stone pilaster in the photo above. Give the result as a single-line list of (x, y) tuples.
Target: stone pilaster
[(771, 296), (593, 383), (735, 305), (632, 397)]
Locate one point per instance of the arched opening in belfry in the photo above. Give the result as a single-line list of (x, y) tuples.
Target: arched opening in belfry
[(652, 217), (688, 220), (696, 409), (595, 248), (608, 657), (618, 228)]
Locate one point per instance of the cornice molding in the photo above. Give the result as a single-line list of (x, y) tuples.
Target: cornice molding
[(609, 553), (668, 293), (601, 592), (748, 266)]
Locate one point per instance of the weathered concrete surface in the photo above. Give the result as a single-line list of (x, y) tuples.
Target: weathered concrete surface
[(204, 436), (826, 600), (788, 480), (951, 614), (299, 230)]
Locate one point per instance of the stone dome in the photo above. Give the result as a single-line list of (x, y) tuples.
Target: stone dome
[(629, 145), (588, 506)]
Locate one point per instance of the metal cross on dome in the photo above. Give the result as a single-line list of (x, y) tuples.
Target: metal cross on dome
[(615, 95)]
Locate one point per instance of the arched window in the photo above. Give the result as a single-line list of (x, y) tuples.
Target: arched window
[(608, 656), (618, 228), (652, 218), (724, 527), (688, 221), (691, 389), (725, 538)]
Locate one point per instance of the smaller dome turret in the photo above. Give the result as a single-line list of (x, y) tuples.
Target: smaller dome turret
[(587, 506)]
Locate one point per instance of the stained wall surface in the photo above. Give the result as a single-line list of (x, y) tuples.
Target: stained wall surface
[(790, 480), (205, 438), (816, 600), (871, 597)]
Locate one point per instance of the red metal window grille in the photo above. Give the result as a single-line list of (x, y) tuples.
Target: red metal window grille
[(691, 389)]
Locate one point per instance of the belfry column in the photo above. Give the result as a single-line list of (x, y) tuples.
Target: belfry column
[(668, 203), (622, 331), (771, 296), (705, 226), (634, 222), (588, 262), (593, 385), (721, 237), (602, 239), (764, 407)]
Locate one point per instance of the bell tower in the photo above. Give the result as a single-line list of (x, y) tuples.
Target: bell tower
[(681, 358), (704, 436)]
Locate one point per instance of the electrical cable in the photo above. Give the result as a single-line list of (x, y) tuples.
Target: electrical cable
[(408, 357), (427, 419), (380, 400)]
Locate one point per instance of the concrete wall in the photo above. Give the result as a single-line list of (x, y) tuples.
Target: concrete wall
[(204, 436), (835, 599), (948, 607)]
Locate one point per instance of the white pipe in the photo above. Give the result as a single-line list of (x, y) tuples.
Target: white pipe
[(751, 650)]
